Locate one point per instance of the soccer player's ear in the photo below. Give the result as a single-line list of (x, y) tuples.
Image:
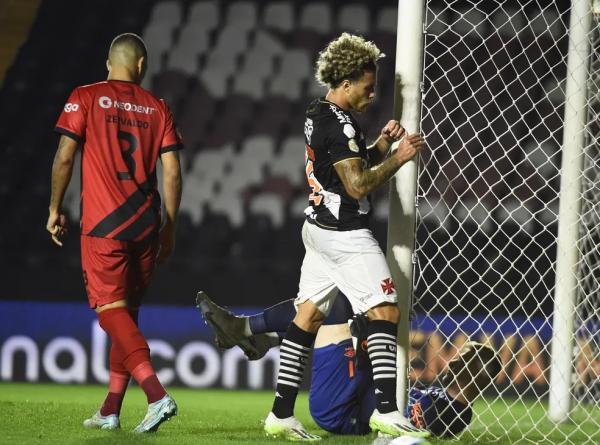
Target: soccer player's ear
[(141, 66), (346, 84), (108, 65)]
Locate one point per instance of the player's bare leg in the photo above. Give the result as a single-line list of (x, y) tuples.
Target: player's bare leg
[(381, 344)]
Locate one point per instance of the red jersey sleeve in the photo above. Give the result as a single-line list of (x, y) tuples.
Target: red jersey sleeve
[(72, 120), (172, 139)]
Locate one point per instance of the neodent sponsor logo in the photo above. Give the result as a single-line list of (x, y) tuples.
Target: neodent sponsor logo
[(106, 102)]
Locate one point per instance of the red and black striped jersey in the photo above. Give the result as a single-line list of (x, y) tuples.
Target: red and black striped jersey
[(122, 129)]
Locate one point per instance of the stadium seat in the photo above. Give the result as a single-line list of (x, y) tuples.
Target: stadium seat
[(269, 204), (241, 15), (229, 205), (232, 40), (290, 167), (316, 17), (209, 164), (196, 193), (279, 16), (267, 43), (205, 14), (184, 56), (387, 19), (354, 18), (295, 68), (158, 38), (293, 146), (247, 168), (249, 84), (168, 13), (309, 39), (257, 148), (219, 67), (257, 66)]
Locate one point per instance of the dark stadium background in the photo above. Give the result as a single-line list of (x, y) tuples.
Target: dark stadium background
[(254, 262)]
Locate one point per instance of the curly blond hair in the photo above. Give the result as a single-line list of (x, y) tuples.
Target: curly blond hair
[(346, 57)]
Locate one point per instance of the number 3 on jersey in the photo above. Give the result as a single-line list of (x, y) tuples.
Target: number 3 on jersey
[(315, 196), (128, 144)]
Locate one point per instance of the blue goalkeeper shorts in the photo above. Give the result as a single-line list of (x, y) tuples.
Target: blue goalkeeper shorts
[(341, 397)]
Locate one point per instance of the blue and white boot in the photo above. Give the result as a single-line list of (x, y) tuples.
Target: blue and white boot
[(158, 412)]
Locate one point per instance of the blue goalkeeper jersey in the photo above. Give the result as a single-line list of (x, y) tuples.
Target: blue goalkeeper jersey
[(433, 409)]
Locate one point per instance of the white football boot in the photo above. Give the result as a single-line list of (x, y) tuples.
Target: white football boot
[(395, 424), (110, 422), (289, 428), (158, 412)]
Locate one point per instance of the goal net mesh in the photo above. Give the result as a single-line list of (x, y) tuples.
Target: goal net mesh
[(487, 213)]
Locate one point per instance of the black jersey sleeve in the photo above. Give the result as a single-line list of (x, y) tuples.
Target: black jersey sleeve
[(341, 141)]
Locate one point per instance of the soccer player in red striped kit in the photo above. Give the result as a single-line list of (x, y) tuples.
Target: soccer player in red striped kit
[(122, 130)]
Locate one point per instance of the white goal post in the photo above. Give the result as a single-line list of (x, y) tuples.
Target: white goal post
[(493, 233)]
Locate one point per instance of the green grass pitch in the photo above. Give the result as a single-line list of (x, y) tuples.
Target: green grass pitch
[(52, 414)]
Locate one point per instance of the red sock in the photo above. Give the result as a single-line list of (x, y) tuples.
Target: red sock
[(144, 374), (117, 383), (127, 338), (116, 392)]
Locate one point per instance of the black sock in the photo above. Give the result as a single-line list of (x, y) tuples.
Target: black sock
[(381, 344), (293, 354)]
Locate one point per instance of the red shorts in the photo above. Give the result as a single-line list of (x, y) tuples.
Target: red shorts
[(117, 270)]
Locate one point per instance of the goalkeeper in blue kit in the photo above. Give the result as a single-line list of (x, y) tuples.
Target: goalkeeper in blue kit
[(341, 398)]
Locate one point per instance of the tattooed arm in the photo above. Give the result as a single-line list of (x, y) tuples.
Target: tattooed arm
[(359, 182)]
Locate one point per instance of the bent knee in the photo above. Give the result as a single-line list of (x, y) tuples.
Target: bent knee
[(385, 311)]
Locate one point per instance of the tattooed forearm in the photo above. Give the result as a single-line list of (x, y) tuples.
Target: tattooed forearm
[(358, 182)]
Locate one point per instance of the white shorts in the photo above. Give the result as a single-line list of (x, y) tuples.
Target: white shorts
[(350, 261)]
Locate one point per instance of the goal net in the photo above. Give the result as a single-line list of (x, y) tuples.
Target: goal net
[(488, 198)]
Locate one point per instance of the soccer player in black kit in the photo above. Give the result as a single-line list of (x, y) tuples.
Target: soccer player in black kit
[(341, 252)]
